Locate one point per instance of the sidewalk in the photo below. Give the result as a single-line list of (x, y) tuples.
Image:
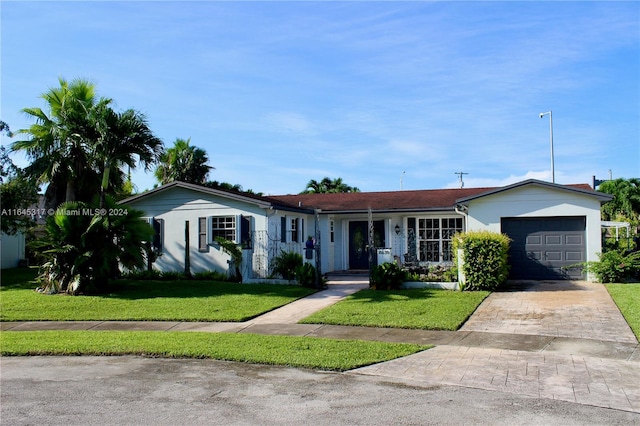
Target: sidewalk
[(490, 352)]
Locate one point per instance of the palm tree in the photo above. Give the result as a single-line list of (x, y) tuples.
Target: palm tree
[(183, 162), (58, 145), (326, 185), (83, 252), (122, 139)]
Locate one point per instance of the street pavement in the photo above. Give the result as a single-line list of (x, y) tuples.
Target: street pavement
[(546, 340)]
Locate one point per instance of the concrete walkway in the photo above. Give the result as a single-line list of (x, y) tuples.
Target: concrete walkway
[(559, 340)]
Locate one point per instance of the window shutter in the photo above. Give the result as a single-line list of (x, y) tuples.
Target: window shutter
[(283, 229), (158, 234), (245, 231), (301, 235), (202, 234)]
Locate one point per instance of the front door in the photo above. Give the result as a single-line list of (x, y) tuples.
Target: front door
[(359, 242)]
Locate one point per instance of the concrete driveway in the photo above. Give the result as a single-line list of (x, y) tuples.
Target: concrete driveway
[(577, 309), (595, 360)]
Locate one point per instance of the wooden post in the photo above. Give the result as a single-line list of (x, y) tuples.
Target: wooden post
[(187, 256)]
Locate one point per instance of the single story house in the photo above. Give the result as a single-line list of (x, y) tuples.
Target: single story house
[(551, 226)]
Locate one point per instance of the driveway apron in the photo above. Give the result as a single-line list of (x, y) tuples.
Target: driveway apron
[(577, 312)]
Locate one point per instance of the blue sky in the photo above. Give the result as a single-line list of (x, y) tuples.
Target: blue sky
[(381, 94)]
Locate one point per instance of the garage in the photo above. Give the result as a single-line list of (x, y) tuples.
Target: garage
[(542, 246)]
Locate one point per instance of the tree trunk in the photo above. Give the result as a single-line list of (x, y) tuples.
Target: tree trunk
[(105, 184), (70, 194)]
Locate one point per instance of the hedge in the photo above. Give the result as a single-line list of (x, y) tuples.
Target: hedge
[(485, 256)]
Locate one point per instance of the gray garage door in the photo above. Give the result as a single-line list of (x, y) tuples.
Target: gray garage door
[(542, 246)]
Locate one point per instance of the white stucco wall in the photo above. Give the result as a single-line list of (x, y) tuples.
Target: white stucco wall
[(175, 206), (537, 201)]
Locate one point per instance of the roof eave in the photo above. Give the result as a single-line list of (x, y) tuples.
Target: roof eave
[(202, 189), (599, 195), (403, 210)]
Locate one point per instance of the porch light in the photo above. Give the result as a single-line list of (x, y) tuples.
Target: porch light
[(397, 228)]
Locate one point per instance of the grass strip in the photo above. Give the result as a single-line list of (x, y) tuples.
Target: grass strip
[(144, 301), (627, 297), (294, 351), (427, 309)]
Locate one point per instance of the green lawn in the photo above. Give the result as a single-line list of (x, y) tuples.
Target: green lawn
[(627, 297), (143, 301), (326, 354), (428, 309)]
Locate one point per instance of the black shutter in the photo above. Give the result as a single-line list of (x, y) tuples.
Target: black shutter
[(283, 229), (245, 231), (157, 237), (202, 234)]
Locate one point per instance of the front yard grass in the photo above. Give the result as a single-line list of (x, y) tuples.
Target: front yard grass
[(143, 300), (428, 309), (307, 352), (627, 297)]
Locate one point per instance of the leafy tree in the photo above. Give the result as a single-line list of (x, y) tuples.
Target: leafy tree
[(4, 127), (230, 187), (16, 193), (82, 251), (625, 207), (327, 185), (183, 162), (214, 184), (626, 202)]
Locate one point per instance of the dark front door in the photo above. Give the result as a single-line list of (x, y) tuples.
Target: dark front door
[(543, 247), (359, 242)]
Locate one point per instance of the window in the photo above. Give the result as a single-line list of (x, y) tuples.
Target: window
[(295, 232), (224, 227), (434, 238), (331, 231)]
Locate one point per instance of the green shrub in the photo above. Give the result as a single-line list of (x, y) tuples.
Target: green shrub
[(387, 276), (286, 263), (306, 275), (210, 276), (433, 273), (485, 255), (615, 266), (173, 276), (143, 274), (83, 252), (234, 250)]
